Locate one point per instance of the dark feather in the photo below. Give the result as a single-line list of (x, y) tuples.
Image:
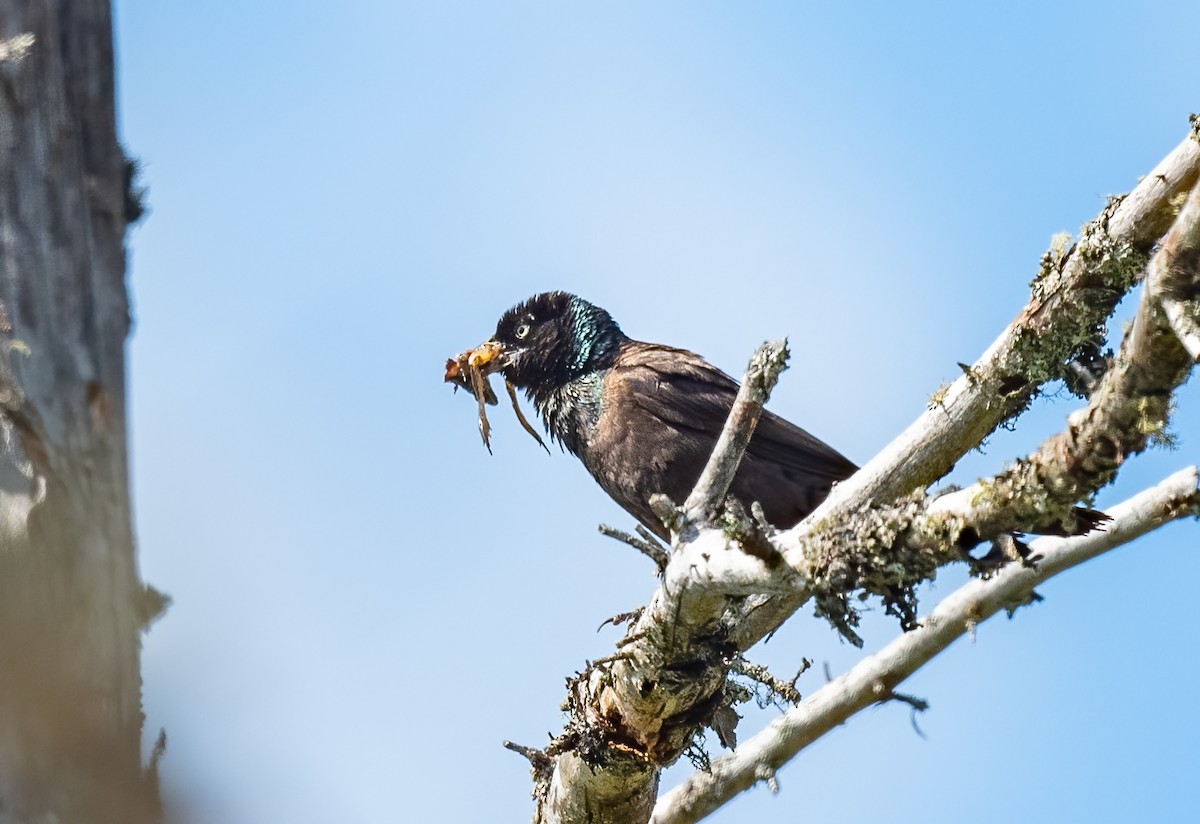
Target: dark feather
[(662, 411), (644, 418)]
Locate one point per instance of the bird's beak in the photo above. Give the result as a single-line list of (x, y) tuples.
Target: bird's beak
[(493, 356), (471, 369)]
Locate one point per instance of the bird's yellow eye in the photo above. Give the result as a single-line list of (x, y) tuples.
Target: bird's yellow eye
[(522, 331)]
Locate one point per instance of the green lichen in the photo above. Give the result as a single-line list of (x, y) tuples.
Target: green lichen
[(1153, 421), (1024, 498), (870, 553), (1042, 352), (938, 398), (1060, 245)]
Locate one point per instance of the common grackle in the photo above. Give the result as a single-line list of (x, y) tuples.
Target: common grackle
[(644, 418)]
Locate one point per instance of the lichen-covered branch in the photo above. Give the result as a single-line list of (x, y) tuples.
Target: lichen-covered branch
[(640, 709), (1128, 409), (615, 787), (887, 550), (876, 677), (1073, 295), (878, 532)]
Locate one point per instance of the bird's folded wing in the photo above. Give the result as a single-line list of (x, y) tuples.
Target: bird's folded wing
[(685, 391)]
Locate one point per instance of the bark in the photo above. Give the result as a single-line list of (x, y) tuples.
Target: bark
[(875, 679), (72, 605)]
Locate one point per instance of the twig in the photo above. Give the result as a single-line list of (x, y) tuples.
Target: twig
[(647, 546), (649, 537), (918, 704), (915, 704), (784, 689), (702, 793), (631, 637), (538, 759), (704, 502), (620, 655), (621, 618)]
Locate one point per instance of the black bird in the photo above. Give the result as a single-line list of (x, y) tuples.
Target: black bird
[(644, 417)]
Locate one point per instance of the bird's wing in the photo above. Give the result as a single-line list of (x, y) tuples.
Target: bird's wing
[(685, 391)]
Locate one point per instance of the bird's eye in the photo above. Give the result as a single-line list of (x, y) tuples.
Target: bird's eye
[(522, 331)]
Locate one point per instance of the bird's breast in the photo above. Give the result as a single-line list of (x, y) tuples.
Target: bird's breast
[(572, 411)]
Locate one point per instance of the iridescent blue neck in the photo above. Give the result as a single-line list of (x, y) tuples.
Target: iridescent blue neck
[(569, 403), (595, 339)]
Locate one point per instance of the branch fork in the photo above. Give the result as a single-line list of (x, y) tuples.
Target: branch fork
[(730, 580)]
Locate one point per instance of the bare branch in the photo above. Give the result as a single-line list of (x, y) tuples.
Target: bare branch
[(650, 548), (713, 485), (876, 677), (537, 759)]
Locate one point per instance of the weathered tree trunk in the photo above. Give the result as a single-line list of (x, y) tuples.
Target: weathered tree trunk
[(72, 605)]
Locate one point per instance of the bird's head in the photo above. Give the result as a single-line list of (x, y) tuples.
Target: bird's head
[(554, 338)]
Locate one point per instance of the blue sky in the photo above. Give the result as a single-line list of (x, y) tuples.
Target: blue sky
[(367, 604)]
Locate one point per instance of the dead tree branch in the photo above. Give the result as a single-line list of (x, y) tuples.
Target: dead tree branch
[(1072, 296), (879, 532), (875, 677), (760, 378)]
